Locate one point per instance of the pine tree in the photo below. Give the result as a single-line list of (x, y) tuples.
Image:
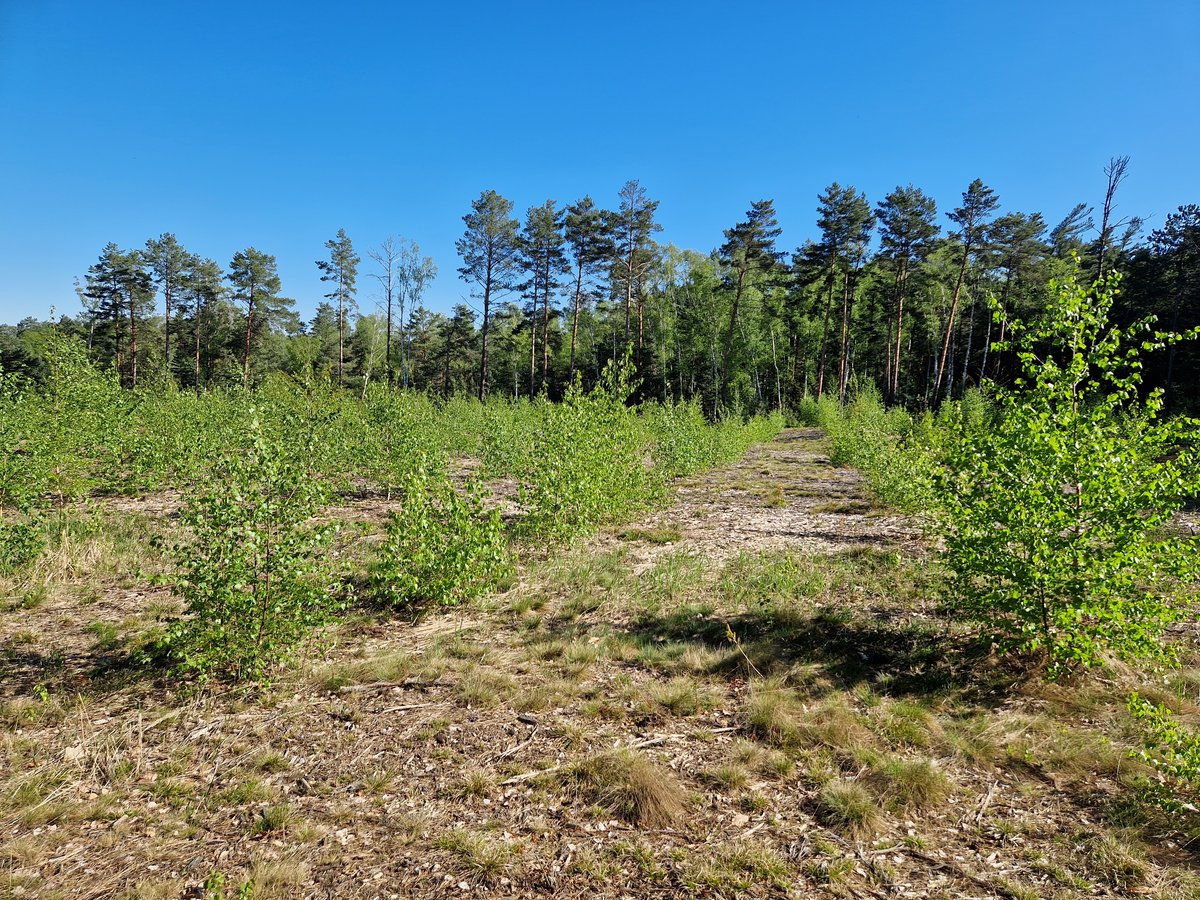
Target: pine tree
[(845, 220), (907, 229), (342, 270), (972, 218), (255, 282), (119, 286), (633, 227), (168, 261), (588, 232), (544, 259), (489, 250), (200, 290), (749, 254)]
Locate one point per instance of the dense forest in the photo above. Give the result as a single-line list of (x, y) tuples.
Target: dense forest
[(896, 292)]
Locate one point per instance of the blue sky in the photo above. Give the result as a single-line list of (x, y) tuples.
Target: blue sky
[(274, 124)]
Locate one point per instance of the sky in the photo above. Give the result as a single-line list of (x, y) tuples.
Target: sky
[(273, 125)]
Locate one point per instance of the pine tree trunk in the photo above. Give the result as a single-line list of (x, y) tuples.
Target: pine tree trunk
[(575, 320), (546, 330), (824, 337), (249, 330), (962, 271), (132, 340)]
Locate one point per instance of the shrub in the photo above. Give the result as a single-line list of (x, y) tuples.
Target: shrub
[(254, 577), (1054, 517), (891, 449), (443, 548), (587, 464), (1170, 747), (20, 544)]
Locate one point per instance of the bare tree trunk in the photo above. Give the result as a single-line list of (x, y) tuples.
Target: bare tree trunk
[(249, 329), (546, 330), (132, 340), (733, 314), (483, 331), (824, 337), (575, 319), (894, 383), (962, 271), (196, 359)]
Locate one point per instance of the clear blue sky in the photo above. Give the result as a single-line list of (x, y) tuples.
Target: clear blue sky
[(275, 124)]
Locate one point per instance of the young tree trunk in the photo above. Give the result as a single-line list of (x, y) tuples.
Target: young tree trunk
[(249, 329), (824, 337), (575, 319), (546, 331), (341, 339), (132, 340), (733, 314), (843, 356), (196, 358), (483, 331), (902, 288), (167, 325), (962, 271)]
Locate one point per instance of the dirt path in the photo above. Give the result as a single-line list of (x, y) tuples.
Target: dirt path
[(783, 495)]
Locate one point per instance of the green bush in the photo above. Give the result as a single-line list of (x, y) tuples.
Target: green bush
[(20, 544), (443, 548), (1170, 748), (891, 448), (588, 463), (255, 576), (1054, 517)]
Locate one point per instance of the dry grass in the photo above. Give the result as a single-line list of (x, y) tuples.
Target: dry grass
[(630, 785)]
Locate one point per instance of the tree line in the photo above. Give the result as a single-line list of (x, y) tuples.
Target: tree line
[(891, 292)]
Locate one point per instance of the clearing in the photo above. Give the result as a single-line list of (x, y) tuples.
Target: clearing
[(754, 692)]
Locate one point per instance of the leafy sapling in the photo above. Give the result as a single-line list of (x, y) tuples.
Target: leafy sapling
[(1056, 519)]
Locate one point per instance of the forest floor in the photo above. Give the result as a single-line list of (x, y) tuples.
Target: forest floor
[(756, 692)]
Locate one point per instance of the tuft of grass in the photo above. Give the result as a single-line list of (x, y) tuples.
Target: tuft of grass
[(683, 696), (910, 785), (247, 791), (909, 724), (730, 776), (659, 534), (271, 762), (775, 715), (1112, 861), (377, 780), (848, 807), (484, 858), (274, 818), (629, 785), (476, 783), (276, 878), (737, 868), (386, 667)]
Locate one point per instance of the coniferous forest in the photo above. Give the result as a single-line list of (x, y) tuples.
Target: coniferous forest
[(895, 291)]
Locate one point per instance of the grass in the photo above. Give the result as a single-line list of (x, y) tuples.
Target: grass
[(659, 534), (483, 858), (911, 785), (631, 786), (849, 808)]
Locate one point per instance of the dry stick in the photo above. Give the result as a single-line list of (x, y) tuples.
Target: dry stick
[(954, 869), (408, 706), (514, 750), (987, 801), (383, 686)]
